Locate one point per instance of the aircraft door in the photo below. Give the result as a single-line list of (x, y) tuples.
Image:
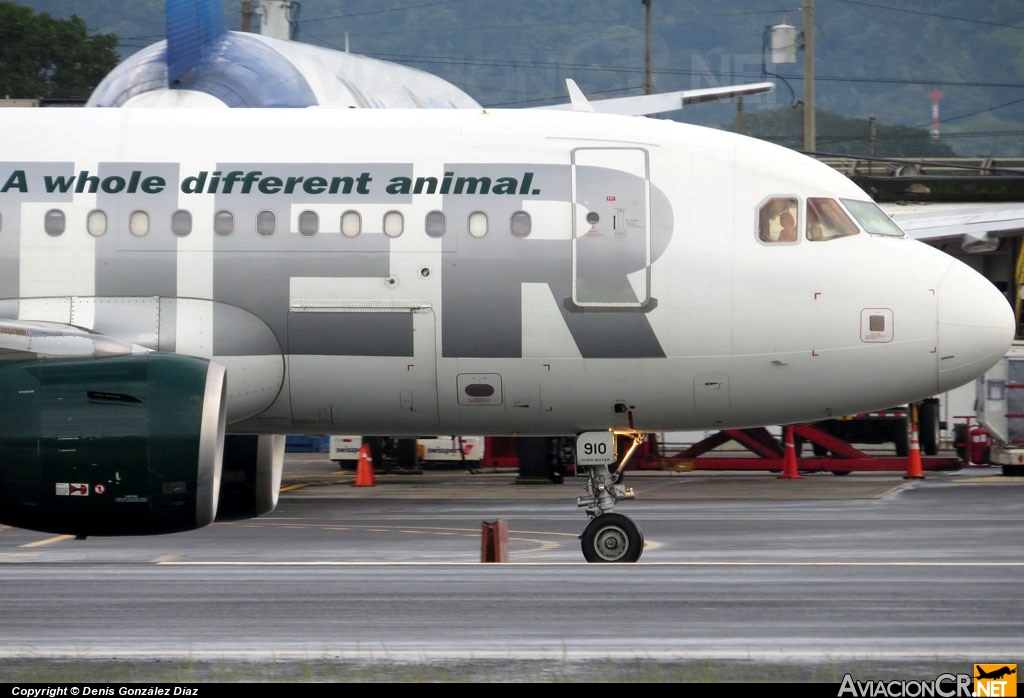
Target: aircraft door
[(611, 251)]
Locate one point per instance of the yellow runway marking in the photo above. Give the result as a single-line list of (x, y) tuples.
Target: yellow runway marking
[(47, 541)]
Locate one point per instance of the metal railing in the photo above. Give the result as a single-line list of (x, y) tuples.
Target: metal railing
[(923, 167)]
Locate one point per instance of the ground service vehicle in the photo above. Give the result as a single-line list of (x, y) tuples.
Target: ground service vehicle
[(1000, 410), (438, 450)]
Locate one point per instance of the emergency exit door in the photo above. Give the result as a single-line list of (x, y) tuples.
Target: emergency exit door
[(611, 251)]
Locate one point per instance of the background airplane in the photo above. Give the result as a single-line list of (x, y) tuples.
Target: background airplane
[(202, 64)]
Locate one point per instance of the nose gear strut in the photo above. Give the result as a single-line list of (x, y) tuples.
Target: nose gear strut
[(610, 537)]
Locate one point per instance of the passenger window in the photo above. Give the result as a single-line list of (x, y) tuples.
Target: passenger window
[(138, 223), (778, 220), (351, 224), (54, 222), (309, 223), (394, 224), (181, 223), (478, 224), (96, 223), (266, 223), (521, 224), (223, 222), (826, 220), (435, 224)]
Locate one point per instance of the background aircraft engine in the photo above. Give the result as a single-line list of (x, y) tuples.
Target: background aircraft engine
[(117, 445)]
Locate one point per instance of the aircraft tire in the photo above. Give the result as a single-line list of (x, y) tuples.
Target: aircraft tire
[(612, 538), (928, 427), (900, 439), (960, 441)]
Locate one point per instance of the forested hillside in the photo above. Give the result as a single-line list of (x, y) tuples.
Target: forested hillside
[(878, 59)]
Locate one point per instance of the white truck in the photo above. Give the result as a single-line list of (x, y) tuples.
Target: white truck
[(451, 450), (1000, 410)]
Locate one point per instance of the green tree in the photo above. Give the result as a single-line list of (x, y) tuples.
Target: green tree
[(46, 58)]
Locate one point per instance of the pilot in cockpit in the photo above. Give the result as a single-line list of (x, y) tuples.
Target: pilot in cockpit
[(788, 231)]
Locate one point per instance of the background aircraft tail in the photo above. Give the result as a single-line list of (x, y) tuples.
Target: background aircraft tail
[(195, 28)]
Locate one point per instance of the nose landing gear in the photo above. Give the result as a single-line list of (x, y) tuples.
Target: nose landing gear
[(610, 536)]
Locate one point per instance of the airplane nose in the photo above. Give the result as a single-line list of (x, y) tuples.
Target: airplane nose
[(976, 326)]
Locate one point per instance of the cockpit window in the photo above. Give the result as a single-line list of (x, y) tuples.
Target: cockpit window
[(826, 220), (778, 220), (873, 219)]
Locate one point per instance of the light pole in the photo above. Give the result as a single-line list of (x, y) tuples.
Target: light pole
[(648, 87), (810, 128)]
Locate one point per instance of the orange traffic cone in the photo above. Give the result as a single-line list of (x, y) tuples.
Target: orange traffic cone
[(789, 467), (364, 469), (914, 469)]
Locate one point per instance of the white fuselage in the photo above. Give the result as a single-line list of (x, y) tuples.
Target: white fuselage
[(474, 271)]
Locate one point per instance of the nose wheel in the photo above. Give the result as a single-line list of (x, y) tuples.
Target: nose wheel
[(612, 537), (609, 537)]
